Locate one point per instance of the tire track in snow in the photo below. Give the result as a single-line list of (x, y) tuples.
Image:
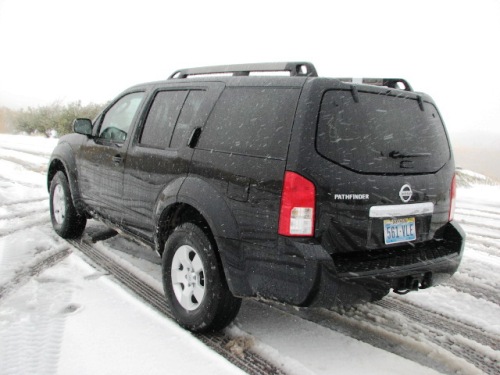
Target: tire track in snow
[(475, 289), (402, 328), (25, 184), (36, 153), (249, 361), (441, 322), (26, 201), (395, 334), (32, 341), (461, 213), (480, 274), (37, 168), (479, 233), (477, 273), (23, 276), (23, 214), (487, 226), (484, 230), (414, 333), (478, 347), (474, 242), (7, 227), (476, 209), (482, 246), (476, 225), (479, 205)]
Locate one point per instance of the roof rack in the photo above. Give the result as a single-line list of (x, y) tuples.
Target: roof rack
[(393, 83), (301, 69)]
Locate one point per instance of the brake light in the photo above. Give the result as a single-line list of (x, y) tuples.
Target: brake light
[(453, 198), (298, 202)]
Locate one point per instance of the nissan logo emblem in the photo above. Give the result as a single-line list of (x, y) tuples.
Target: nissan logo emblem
[(405, 193)]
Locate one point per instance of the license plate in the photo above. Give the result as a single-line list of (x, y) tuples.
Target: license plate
[(399, 230)]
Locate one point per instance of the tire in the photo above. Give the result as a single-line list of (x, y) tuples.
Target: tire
[(195, 287), (65, 219)]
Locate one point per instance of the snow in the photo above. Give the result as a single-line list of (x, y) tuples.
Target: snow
[(320, 350), (74, 319), (36, 145), (466, 308)]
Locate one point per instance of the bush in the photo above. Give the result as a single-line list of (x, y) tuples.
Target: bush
[(6, 122), (56, 117)]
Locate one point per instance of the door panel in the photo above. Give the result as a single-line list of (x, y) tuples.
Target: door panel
[(161, 155), (100, 161), (101, 171)]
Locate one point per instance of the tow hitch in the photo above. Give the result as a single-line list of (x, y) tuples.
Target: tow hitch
[(413, 283)]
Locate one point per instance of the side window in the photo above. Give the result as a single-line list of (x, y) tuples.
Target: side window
[(252, 121), (161, 119), (188, 114), (117, 120)]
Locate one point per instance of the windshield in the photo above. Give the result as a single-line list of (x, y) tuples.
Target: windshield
[(381, 133)]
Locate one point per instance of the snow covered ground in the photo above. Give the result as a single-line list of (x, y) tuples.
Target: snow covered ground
[(73, 318)]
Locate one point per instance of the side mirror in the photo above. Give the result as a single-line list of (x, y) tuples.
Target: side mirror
[(82, 126)]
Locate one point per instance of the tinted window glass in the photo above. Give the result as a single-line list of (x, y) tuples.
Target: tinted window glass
[(189, 112), (251, 120), (161, 118), (381, 133), (117, 120)]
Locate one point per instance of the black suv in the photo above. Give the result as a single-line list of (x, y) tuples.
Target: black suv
[(307, 190)]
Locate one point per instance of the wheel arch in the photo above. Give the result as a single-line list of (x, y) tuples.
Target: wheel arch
[(55, 166), (193, 199), (63, 160), (199, 203), (174, 215)]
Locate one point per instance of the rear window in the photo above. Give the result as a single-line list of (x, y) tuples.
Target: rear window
[(252, 121), (381, 133)]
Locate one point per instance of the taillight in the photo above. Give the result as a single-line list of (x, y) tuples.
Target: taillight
[(298, 202), (453, 198)]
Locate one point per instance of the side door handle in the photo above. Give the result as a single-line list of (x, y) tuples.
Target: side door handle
[(117, 159)]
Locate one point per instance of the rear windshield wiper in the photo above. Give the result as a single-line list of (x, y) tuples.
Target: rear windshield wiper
[(400, 155)]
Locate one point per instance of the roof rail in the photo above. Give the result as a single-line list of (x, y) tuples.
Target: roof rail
[(393, 83), (302, 69)]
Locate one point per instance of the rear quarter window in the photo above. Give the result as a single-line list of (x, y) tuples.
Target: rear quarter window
[(161, 119), (251, 121), (190, 111), (381, 133)]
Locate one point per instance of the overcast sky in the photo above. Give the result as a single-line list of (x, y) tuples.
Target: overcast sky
[(91, 50)]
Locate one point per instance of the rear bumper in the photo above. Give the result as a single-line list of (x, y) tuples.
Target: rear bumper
[(303, 273), (369, 285)]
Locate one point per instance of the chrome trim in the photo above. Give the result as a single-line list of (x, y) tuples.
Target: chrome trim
[(402, 210)]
